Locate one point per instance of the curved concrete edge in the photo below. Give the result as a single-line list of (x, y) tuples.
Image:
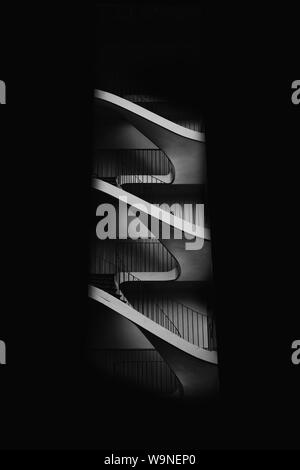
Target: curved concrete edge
[(147, 324), (150, 209), (149, 115), (199, 379)]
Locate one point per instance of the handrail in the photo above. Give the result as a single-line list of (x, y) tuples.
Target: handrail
[(134, 278), (153, 103), (145, 367), (146, 255), (189, 332), (129, 179), (196, 327), (130, 107), (128, 164)]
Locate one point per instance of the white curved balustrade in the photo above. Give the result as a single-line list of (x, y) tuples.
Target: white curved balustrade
[(149, 325)]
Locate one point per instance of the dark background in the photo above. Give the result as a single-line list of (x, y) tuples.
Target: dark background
[(49, 396)]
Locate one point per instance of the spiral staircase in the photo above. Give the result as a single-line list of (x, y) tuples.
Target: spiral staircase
[(137, 279)]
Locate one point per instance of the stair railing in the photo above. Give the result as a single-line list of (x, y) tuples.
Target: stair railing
[(193, 326), (133, 165), (139, 179), (148, 255), (121, 276)]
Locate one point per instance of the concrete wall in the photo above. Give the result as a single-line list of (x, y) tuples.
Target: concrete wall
[(118, 134), (193, 296), (198, 378), (196, 265), (136, 256), (186, 154), (176, 303), (109, 330)]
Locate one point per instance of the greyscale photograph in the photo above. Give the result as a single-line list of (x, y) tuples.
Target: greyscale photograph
[(149, 157), (152, 321)]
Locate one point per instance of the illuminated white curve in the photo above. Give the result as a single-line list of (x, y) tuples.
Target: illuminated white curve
[(149, 115), (150, 209), (146, 323)]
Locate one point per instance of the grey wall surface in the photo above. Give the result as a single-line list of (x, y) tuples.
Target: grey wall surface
[(119, 134), (109, 330)]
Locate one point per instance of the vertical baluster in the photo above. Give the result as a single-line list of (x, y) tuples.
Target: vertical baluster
[(152, 260), (192, 313), (161, 257), (148, 257), (151, 308), (215, 334), (160, 318), (182, 321)]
